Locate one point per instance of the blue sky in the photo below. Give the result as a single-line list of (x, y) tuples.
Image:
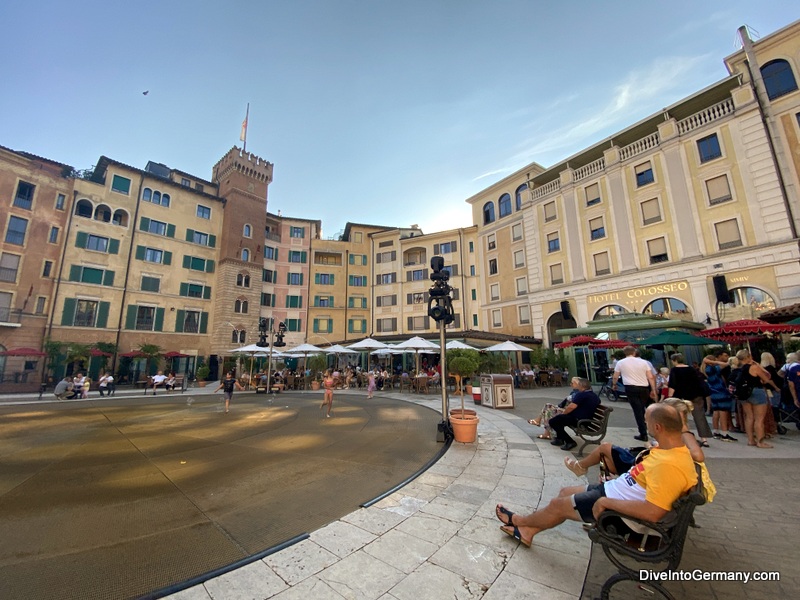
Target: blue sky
[(390, 113)]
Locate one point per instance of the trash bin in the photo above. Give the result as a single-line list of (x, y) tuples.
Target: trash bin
[(497, 391)]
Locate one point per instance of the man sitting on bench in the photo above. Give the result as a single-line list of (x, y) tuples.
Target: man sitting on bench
[(647, 491), (158, 380), (581, 406)]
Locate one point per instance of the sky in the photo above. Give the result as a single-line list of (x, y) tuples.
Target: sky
[(376, 112)]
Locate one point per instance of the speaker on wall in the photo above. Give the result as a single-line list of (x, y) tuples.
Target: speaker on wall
[(721, 289), (566, 311)]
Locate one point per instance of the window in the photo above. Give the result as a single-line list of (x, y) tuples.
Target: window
[(5, 307), (644, 174), (718, 190), (356, 302), (15, 234), (48, 268), (357, 281), (488, 213), (270, 253), (445, 248), (472, 270), (295, 279), (778, 78), (416, 298), (243, 280), (550, 212), (40, 304), (355, 259), (120, 218), (185, 182), (294, 302), (60, 200), (322, 325), (297, 256), (524, 314), (601, 264), (387, 278), (153, 255), (150, 284), (388, 300), (358, 237), (519, 259), (491, 241), (267, 299), (497, 318), (297, 232), (85, 313), (389, 256), (553, 242), (238, 337), (24, 195), (728, 235), (155, 197), (516, 232), (245, 255), (356, 325), (493, 266), (197, 237), (102, 213), (494, 291), (9, 265), (53, 239), (518, 194), (474, 320), (97, 243), (191, 323), (247, 231), (657, 249), (145, 318), (596, 228), (472, 247), (418, 275), (708, 147), (556, 274), (203, 212), (418, 323), (505, 205), (593, 194), (240, 306), (121, 184), (91, 275), (522, 286), (198, 264), (199, 187), (153, 226), (651, 211), (294, 324), (269, 276), (324, 278), (386, 325), (195, 290), (83, 208), (323, 301)]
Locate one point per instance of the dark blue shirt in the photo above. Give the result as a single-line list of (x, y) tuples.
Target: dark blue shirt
[(587, 402)]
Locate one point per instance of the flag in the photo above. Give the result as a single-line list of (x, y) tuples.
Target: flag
[(243, 135)]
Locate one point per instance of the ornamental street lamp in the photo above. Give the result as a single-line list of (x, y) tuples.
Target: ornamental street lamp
[(440, 309)]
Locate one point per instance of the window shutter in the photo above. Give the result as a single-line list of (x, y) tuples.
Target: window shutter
[(75, 273), (378, 258), (102, 314), (409, 299), (364, 325), (170, 230), (394, 299), (455, 293), (349, 325), (287, 302), (330, 301), (130, 318), (350, 303), (68, 316), (425, 297), (316, 278), (331, 279), (394, 255), (139, 252), (189, 235), (377, 279), (351, 259), (288, 278), (144, 224), (427, 274), (436, 249), (427, 321), (167, 257), (187, 261), (113, 246), (206, 292), (159, 321), (379, 301), (184, 289), (212, 241), (209, 266), (303, 256), (454, 246), (108, 278), (394, 324), (80, 239), (316, 326), (411, 323), (203, 322), (379, 326), (301, 280), (180, 316)]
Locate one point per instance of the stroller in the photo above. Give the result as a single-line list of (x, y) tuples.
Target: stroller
[(786, 411), (607, 392)]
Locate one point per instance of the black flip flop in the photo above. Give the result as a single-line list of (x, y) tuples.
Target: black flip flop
[(506, 512), (516, 535)]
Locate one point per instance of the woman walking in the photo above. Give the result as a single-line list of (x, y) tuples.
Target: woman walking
[(685, 383), (755, 406), (328, 382)]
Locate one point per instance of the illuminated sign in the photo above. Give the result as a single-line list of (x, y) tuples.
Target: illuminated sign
[(627, 296)]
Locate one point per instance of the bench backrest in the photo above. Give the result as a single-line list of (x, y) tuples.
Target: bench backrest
[(599, 420)]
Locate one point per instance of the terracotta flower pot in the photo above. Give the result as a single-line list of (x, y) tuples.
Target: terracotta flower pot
[(315, 385), (456, 412), (465, 430)]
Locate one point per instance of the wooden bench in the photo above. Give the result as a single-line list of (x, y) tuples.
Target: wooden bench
[(144, 383), (592, 431), (660, 547)]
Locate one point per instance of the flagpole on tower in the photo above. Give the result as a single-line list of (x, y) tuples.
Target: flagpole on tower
[(243, 135)]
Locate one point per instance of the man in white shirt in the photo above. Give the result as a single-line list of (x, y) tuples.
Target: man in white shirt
[(158, 380), (640, 386)]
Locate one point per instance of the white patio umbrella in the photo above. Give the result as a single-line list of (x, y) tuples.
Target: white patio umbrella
[(417, 344), (367, 344), (305, 350), (252, 350), (338, 349), (456, 345), (508, 346)]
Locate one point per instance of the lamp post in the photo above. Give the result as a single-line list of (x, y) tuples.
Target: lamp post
[(440, 309), (265, 327)]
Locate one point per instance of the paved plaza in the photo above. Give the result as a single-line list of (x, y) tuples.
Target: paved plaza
[(438, 537)]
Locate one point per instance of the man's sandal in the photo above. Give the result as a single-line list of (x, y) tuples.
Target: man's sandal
[(515, 534), (502, 510)]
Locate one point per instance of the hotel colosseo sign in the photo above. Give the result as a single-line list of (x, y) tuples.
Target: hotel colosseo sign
[(637, 298)]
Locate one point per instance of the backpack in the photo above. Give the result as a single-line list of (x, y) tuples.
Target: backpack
[(739, 384)]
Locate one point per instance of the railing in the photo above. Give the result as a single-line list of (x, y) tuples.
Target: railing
[(547, 189), (275, 237), (590, 169), (639, 146), (709, 115)]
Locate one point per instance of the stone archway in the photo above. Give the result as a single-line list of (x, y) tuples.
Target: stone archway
[(557, 321)]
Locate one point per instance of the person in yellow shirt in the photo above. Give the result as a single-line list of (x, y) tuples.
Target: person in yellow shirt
[(647, 491)]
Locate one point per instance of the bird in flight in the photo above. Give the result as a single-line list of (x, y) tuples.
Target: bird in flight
[(145, 93)]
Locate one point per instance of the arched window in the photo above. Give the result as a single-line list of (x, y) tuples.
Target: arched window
[(505, 205), (243, 280), (247, 231), (102, 213), (84, 208), (245, 255), (156, 197), (488, 213), (238, 337), (240, 306), (747, 303), (778, 78), (147, 195), (120, 218), (518, 195), (610, 311), (165, 200), (667, 306)]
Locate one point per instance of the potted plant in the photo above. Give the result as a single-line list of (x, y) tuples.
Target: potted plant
[(463, 363), (203, 371), (317, 364)]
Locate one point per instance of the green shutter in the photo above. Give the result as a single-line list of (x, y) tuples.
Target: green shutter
[(144, 224), (187, 261), (113, 246), (209, 266), (316, 278), (301, 281), (207, 292), (75, 273), (349, 325), (276, 255), (303, 256), (331, 278), (352, 259), (130, 318), (140, 252), (330, 301), (316, 326), (170, 230), (363, 325), (350, 302), (189, 235), (102, 314), (203, 322), (167, 258), (108, 278), (68, 316), (80, 239), (287, 301), (330, 325), (288, 278), (212, 241), (180, 316), (299, 302), (184, 291), (159, 324)]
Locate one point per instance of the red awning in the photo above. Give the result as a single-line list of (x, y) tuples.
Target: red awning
[(174, 354), (748, 328), (97, 352), (581, 340), (133, 354), (22, 352)]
